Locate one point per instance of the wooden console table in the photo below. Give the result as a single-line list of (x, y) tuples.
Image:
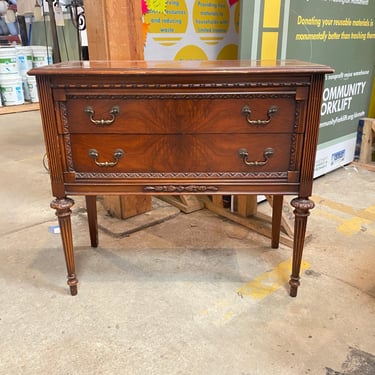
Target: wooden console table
[(209, 127)]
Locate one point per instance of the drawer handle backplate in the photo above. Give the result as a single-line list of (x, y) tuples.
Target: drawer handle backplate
[(268, 153), (246, 111), (117, 155), (113, 112)]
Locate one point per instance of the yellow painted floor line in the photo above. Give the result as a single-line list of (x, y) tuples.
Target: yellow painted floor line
[(329, 215), (367, 213), (353, 226), (350, 226), (270, 281)]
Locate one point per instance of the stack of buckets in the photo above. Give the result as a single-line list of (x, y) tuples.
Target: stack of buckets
[(16, 86)]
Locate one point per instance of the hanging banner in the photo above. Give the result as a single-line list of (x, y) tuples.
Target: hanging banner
[(192, 30), (338, 33)]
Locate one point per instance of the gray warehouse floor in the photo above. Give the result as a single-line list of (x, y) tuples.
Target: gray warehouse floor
[(195, 294)]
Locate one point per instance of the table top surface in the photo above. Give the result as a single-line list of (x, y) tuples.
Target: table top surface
[(160, 67)]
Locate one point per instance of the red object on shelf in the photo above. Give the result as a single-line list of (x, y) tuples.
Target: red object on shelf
[(9, 39)]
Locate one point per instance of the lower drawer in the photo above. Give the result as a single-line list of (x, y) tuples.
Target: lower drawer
[(179, 153)]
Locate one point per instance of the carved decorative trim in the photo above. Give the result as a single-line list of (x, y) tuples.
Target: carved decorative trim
[(183, 96), (296, 116), (302, 206), (68, 146), (213, 85), (175, 96), (179, 188), (62, 206), (64, 116), (242, 175), (69, 155), (292, 162)]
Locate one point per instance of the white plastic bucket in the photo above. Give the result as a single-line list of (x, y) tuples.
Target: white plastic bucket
[(11, 89), (41, 56), (24, 59), (25, 87), (8, 60), (33, 89)]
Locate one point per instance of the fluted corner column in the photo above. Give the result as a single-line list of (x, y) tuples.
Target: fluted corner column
[(63, 213), (302, 207)]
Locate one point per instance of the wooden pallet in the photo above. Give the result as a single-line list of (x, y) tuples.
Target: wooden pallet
[(370, 166), (365, 140), (185, 203), (244, 211)]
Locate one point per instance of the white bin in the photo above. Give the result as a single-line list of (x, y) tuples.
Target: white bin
[(25, 87), (41, 55), (24, 59), (8, 60), (33, 89), (11, 89)]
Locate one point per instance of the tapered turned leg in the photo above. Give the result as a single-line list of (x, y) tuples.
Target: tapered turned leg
[(63, 212), (92, 218), (277, 207), (301, 212)]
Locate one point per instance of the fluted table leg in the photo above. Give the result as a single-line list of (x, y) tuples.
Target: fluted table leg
[(92, 217), (63, 213), (301, 212), (277, 208)]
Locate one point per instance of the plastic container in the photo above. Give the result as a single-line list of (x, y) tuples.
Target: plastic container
[(24, 59), (42, 55), (11, 89), (33, 89), (8, 60), (25, 87)]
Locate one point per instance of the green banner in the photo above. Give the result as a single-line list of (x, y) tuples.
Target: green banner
[(340, 34)]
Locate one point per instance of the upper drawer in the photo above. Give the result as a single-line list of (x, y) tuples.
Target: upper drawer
[(231, 113)]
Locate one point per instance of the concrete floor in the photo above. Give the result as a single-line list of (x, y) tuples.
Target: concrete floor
[(195, 294)]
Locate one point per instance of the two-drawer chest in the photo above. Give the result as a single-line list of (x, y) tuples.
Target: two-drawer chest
[(191, 127)]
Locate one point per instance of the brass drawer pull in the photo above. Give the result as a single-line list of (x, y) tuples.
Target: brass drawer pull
[(113, 112), (246, 111), (117, 155), (268, 153)]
